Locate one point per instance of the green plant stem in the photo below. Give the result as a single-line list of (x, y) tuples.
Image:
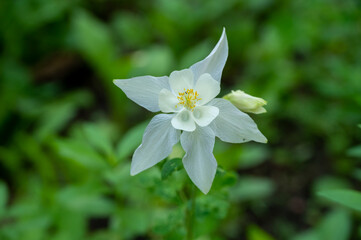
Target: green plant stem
[(190, 212)]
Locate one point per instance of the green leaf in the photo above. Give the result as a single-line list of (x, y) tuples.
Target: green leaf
[(307, 235), (256, 233), (355, 151), (251, 188), (79, 152), (170, 166), (138, 220), (335, 226), (3, 197), (253, 156), (85, 199), (346, 197), (224, 179), (329, 183), (212, 206), (54, 116), (156, 61), (168, 220), (96, 135), (93, 39)]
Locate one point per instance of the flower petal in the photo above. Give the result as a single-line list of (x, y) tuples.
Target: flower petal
[(214, 62), (207, 88), (143, 90), (168, 102), (158, 140), (204, 115), (199, 161), (184, 121), (181, 80), (234, 126)]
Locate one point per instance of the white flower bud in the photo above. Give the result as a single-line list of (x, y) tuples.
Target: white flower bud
[(246, 102)]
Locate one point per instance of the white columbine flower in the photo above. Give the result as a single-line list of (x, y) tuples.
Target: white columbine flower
[(193, 115)]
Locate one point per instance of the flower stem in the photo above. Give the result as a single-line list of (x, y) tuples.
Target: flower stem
[(190, 212)]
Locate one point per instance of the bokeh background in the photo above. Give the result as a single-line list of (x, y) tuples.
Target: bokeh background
[(67, 133)]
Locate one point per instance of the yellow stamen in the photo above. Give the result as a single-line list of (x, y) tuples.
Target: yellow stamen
[(188, 99)]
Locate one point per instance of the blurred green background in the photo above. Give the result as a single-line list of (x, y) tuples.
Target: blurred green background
[(68, 133)]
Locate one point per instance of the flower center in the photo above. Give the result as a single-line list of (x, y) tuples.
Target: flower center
[(188, 99)]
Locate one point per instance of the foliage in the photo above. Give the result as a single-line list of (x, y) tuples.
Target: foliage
[(67, 133)]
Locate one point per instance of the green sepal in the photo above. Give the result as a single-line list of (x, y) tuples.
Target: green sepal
[(171, 166)]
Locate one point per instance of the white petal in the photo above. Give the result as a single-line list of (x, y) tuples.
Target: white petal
[(184, 121), (158, 140), (214, 62), (204, 115), (199, 161), (207, 88), (234, 126), (168, 102), (144, 90), (180, 81)]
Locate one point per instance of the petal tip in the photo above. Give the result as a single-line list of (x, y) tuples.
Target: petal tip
[(134, 169), (117, 82), (205, 191), (224, 31), (264, 140), (133, 172)]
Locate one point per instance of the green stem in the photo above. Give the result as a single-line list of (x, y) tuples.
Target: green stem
[(190, 212)]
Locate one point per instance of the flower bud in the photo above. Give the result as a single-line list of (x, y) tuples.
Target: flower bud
[(246, 102)]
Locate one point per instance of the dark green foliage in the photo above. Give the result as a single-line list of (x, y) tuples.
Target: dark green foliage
[(170, 166), (68, 134)]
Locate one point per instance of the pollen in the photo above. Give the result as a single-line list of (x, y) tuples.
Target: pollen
[(188, 99)]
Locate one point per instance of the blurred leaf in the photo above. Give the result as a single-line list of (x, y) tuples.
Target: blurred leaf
[(253, 156), (79, 152), (356, 173), (224, 179), (168, 221), (335, 226), (155, 61), (212, 206), (3, 197), (355, 152), (71, 224), (84, 199), (94, 40), (57, 114), (131, 140), (258, 5), (132, 221), (256, 233), (251, 188), (307, 235), (32, 14), (34, 151), (197, 53), (132, 29), (170, 166), (97, 136), (346, 197), (328, 183)]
